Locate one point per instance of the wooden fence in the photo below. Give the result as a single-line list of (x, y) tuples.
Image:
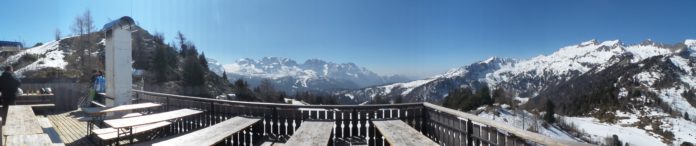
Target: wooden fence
[(352, 122), (66, 94)]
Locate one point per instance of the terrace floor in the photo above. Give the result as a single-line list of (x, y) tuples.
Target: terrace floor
[(71, 131)]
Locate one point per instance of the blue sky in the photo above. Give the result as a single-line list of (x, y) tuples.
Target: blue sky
[(411, 37)]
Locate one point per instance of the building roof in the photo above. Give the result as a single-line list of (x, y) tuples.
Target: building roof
[(9, 43), (125, 20)]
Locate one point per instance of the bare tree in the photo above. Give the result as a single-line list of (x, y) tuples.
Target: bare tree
[(57, 34), (78, 26), (88, 22), (83, 24)]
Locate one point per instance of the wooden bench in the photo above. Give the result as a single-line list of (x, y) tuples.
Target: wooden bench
[(111, 133), (31, 140), (312, 133), (211, 135), (21, 121), (396, 132), (120, 108), (86, 119)]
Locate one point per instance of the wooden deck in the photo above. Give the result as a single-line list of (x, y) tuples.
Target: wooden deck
[(71, 131)]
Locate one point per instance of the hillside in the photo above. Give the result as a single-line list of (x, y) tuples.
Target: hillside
[(642, 92), (74, 58)]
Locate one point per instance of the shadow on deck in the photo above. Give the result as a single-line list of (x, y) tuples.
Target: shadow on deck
[(71, 131)]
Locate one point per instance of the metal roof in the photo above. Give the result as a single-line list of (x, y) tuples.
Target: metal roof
[(125, 20), (9, 43)]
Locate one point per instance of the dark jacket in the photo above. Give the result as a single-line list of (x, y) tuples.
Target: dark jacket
[(8, 85)]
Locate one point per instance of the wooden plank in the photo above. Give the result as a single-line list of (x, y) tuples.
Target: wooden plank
[(129, 115), (42, 105), (71, 131), (49, 130), (399, 133), (111, 130), (35, 95), (104, 110), (153, 118), (29, 140), (312, 133), (212, 134), (110, 133), (21, 121)]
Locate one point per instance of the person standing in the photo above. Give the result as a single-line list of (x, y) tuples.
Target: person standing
[(9, 85), (99, 87)]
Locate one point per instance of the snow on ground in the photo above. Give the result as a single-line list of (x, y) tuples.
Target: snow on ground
[(683, 131), (409, 86), (672, 96), (598, 131), (682, 63), (294, 101), (641, 52), (524, 120), (349, 95), (647, 78), (522, 100), (49, 56)]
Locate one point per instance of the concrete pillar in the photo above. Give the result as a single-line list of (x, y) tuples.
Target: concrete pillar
[(118, 66)]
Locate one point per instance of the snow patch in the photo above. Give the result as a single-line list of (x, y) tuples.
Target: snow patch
[(49, 56)]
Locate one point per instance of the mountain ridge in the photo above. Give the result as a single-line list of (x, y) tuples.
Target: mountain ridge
[(312, 74)]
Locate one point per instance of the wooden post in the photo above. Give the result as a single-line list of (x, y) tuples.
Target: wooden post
[(469, 133)]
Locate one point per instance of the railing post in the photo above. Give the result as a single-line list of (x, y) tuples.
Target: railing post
[(424, 119), (166, 98), (275, 121), (137, 97), (211, 114), (469, 133)]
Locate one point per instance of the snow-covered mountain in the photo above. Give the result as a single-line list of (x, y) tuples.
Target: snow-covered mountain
[(436, 87), (528, 77), (603, 88), (313, 74)]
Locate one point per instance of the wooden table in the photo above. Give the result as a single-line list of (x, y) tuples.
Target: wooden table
[(211, 135), (399, 133), (23, 128), (120, 108), (312, 133), (125, 125), (96, 114)]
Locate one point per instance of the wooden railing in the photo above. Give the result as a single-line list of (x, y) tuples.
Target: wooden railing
[(352, 122), (66, 94)]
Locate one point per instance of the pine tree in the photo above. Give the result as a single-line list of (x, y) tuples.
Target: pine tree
[(399, 99), (182, 44), (203, 61), (686, 116), (224, 76), (193, 72), (549, 116), (163, 60), (485, 96), (242, 91)]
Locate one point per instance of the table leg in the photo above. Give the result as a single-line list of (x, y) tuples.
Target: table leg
[(118, 136)]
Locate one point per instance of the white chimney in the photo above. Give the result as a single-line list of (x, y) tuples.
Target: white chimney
[(118, 73)]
